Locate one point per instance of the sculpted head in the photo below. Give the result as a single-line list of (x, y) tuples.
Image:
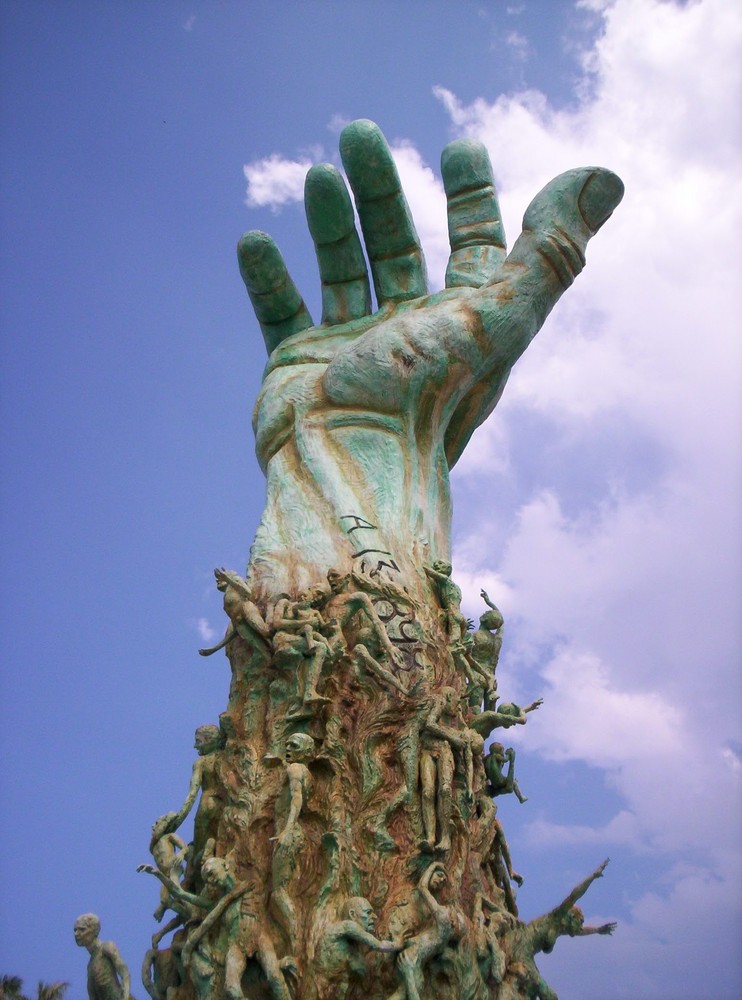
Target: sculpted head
[(451, 699), (441, 566), (336, 580), (87, 929), (491, 620), (438, 879), (508, 708), (216, 873), (207, 739), (360, 910), (299, 749), (573, 921)]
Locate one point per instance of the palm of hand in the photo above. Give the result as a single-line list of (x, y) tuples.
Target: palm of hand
[(465, 338)]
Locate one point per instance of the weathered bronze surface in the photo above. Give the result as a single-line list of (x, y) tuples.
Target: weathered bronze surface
[(346, 841)]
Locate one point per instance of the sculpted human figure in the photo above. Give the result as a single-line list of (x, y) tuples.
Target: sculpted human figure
[(204, 779), (490, 923), (484, 654), (339, 954), (443, 732), (489, 841), (219, 901), (499, 782), (108, 977), (298, 752), (449, 597), (566, 918), (299, 643), (369, 645), (245, 618), (445, 924), (506, 715), (160, 972), (169, 852)]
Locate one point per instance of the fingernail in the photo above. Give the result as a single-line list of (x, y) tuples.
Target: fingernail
[(600, 194)]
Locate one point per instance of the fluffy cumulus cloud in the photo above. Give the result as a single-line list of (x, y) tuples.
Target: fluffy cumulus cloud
[(275, 181), (614, 545)]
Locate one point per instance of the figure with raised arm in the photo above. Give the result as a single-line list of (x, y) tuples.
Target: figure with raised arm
[(298, 643), (209, 742), (289, 841), (484, 654), (244, 616), (367, 642), (506, 715), (108, 977), (566, 918), (170, 853), (445, 925)]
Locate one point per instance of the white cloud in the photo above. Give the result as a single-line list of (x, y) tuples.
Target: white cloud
[(519, 45), (275, 181), (190, 21), (205, 631)]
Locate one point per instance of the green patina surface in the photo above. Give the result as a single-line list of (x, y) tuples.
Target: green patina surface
[(346, 840)]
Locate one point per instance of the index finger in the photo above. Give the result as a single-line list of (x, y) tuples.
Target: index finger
[(392, 244)]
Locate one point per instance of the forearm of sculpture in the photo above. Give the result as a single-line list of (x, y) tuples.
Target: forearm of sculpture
[(175, 890), (579, 891), (603, 929), (354, 932), (211, 918), (112, 953), (193, 791)]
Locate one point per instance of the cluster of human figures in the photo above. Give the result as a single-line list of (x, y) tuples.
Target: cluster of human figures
[(293, 922)]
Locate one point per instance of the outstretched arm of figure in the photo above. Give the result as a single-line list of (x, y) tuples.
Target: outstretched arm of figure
[(230, 634), (579, 891), (175, 890), (354, 932), (494, 304), (603, 929), (210, 919)]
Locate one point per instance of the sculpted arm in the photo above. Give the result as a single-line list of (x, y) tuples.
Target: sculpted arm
[(112, 954), (193, 790), (579, 891), (175, 890), (354, 932)]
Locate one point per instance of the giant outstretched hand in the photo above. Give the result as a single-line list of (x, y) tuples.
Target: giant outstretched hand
[(366, 412)]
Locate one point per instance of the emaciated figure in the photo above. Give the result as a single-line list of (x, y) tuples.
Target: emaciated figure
[(340, 951), (298, 752), (108, 977), (370, 645), (170, 852), (244, 616), (446, 925), (484, 654), (204, 778), (499, 782)]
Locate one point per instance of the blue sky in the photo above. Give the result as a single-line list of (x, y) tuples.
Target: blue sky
[(600, 506)]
